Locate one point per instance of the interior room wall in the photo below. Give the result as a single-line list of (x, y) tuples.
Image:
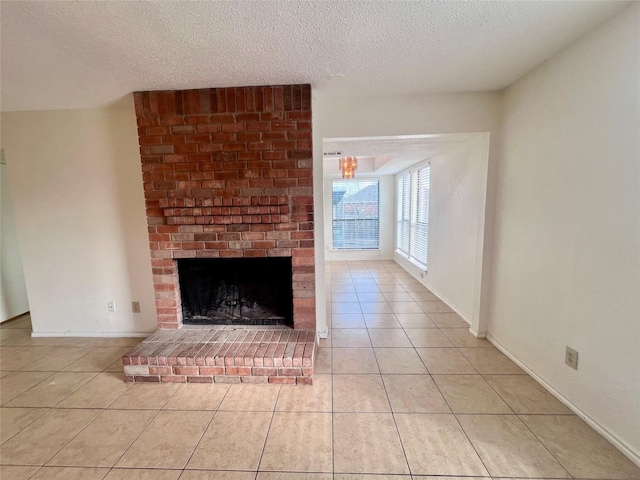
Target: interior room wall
[(402, 115), (456, 216), (76, 182), (567, 237), (13, 293), (387, 219)]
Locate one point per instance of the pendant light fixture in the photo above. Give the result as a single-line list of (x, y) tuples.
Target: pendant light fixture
[(348, 167)]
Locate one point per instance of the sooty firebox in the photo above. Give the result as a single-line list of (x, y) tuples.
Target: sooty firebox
[(236, 291)]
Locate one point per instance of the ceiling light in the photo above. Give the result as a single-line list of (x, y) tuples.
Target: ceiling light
[(348, 167)]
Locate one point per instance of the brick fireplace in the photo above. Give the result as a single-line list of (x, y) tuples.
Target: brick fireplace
[(228, 174)]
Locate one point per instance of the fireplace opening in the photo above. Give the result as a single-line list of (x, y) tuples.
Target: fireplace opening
[(236, 291)]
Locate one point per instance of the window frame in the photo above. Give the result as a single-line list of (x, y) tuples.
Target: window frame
[(333, 220), (403, 213), (414, 214)]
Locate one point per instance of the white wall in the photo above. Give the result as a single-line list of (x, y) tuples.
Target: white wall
[(13, 293), (567, 237), (404, 115), (77, 188), (456, 218), (387, 223)]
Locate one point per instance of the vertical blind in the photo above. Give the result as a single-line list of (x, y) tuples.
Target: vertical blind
[(356, 214), (412, 226)]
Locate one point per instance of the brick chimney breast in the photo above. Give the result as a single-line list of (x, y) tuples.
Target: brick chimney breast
[(227, 173)]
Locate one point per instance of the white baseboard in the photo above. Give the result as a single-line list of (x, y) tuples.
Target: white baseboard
[(322, 333), (612, 438), (432, 290), (446, 302), (476, 334), (13, 317), (90, 334)]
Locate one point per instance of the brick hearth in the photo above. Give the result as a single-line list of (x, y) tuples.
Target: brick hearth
[(223, 355)]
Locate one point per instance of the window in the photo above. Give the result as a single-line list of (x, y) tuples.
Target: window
[(412, 216), (356, 214), (403, 215)]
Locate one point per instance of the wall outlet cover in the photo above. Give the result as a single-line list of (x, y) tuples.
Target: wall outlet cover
[(571, 358)]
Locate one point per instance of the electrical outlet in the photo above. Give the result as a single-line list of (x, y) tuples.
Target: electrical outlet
[(571, 358), (111, 306), (135, 307), (421, 274)]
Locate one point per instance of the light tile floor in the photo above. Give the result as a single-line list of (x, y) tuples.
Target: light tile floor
[(401, 391)]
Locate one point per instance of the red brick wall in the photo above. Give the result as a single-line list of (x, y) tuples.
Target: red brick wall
[(228, 173)]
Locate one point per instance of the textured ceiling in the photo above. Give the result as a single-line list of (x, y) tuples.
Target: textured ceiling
[(78, 54)]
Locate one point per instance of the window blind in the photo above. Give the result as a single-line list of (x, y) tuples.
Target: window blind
[(356, 214), (412, 216), (403, 218), (420, 220)]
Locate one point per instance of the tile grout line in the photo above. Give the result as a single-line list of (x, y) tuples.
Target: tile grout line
[(4, 404), (31, 422), (204, 431), (72, 438), (153, 417), (437, 387), (544, 446), (266, 438), (332, 376), (333, 438), (472, 445), (393, 416)]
